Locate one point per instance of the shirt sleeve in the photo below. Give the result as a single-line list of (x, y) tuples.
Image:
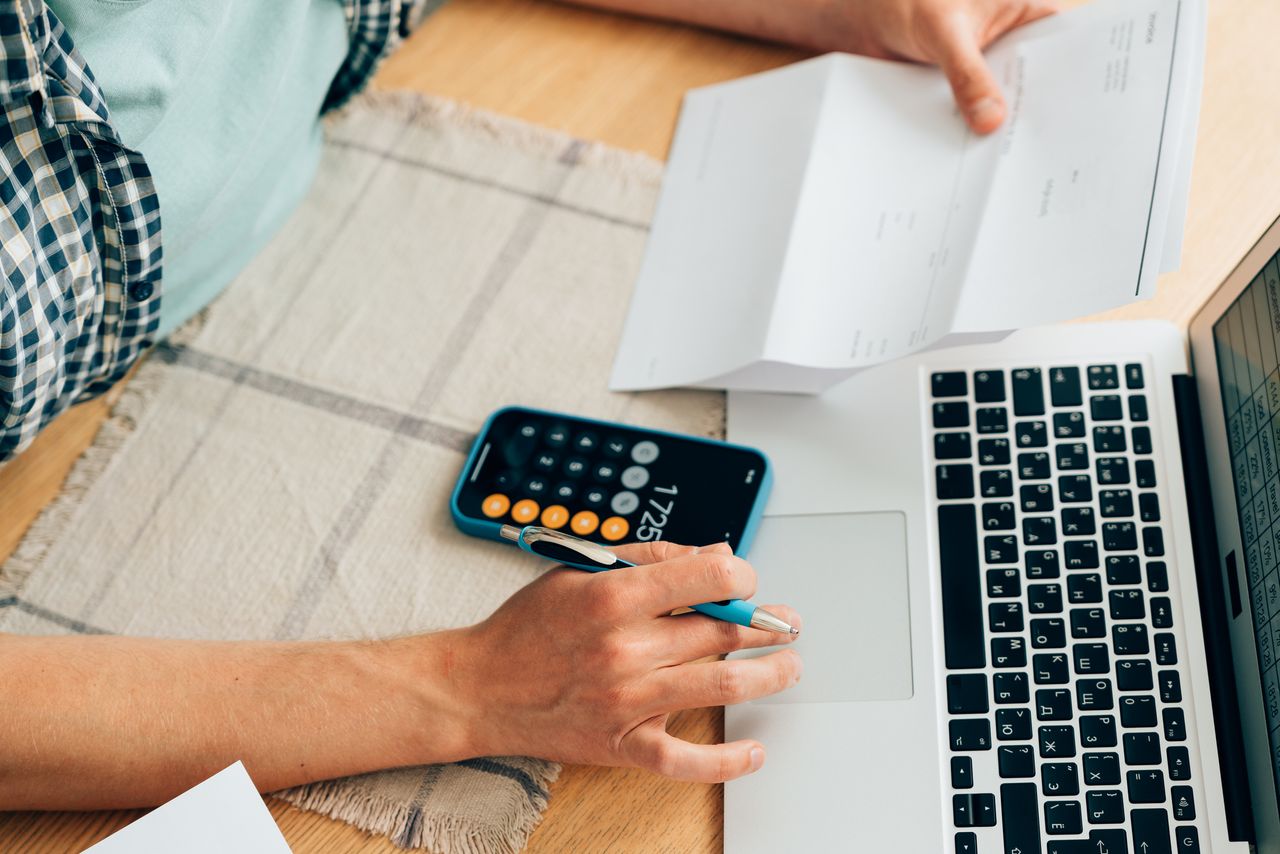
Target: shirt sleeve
[(376, 28)]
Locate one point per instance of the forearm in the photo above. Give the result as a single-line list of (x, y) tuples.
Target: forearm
[(93, 722), (808, 23)]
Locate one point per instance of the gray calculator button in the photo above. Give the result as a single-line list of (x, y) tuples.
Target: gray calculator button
[(624, 503), (644, 452), (635, 477)]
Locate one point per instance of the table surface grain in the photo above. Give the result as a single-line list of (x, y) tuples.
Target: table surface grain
[(619, 80)]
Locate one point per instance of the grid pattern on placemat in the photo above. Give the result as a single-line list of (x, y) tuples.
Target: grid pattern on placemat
[(280, 469)]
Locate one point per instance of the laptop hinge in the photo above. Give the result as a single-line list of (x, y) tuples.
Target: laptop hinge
[(1213, 612)]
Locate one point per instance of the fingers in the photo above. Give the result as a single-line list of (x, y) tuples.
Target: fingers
[(652, 747), (704, 576), (953, 41), (687, 637), (662, 550), (723, 683)]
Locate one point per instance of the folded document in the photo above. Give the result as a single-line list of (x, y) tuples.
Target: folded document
[(838, 213)]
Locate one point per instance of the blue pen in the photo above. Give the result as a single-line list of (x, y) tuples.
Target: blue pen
[(584, 554)]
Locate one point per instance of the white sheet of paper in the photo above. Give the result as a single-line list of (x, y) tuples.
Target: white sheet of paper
[(224, 813), (837, 213)]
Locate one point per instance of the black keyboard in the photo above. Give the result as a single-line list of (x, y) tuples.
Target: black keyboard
[(1067, 722)]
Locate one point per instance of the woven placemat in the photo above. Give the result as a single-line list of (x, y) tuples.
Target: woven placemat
[(281, 467)]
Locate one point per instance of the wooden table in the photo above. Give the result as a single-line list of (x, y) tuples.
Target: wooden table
[(619, 80)]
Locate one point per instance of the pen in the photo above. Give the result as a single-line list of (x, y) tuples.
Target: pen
[(584, 554)]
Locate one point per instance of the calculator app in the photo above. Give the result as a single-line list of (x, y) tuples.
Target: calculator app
[(610, 483)]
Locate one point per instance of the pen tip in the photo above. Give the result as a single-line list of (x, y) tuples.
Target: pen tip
[(794, 630)]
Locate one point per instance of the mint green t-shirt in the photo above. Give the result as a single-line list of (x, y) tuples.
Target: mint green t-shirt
[(222, 97)]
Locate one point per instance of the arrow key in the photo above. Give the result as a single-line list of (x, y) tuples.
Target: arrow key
[(1150, 831)]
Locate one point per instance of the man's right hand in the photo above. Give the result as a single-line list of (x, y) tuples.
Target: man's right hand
[(586, 667)]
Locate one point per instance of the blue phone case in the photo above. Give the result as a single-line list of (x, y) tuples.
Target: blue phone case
[(488, 529)]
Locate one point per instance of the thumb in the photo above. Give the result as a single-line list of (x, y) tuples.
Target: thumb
[(955, 48)]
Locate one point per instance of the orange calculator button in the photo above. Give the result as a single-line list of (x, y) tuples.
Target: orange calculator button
[(495, 505), (614, 528), (526, 510), (584, 522), (555, 516)]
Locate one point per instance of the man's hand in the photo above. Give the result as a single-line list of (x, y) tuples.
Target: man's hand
[(585, 667)]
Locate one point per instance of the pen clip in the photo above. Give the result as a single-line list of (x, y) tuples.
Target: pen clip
[(533, 534)]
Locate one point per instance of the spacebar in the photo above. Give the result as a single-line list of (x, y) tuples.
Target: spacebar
[(961, 587)]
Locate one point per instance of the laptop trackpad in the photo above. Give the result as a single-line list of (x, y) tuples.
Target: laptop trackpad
[(846, 573)]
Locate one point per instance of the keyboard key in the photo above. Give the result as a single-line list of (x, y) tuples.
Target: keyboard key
[(1000, 549), (1062, 818), (1010, 688), (1138, 407), (1142, 748), (1137, 712), (1064, 387), (1068, 425), (1109, 840), (1170, 686), (1088, 623), (1005, 617), (1020, 817), (1108, 440), (961, 772), (967, 693), (1091, 658), (1188, 840), (1134, 675), (1098, 731), (1084, 589), (1124, 569), (1106, 407), (988, 386), (1016, 762), (1004, 583), (1053, 704), (1184, 805), (969, 734), (1157, 577), (1008, 652), (1101, 769), (1081, 554), (1133, 376), (1041, 563), (1105, 807), (967, 842), (962, 632), (1130, 639), (1028, 392), (950, 384), (1036, 498), (1048, 633), (993, 452), (1175, 724), (1126, 605), (1166, 649), (1044, 599), (954, 480), (1145, 787), (1039, 531), (1031, 434), (1078, 522), (1151, 830), (992, 419), (1149, 507), (950, 414), (952, 446), (996, 483), (1072, 456), (1152, 542), (1103, 377), (1034, 465), (1113, 503), (1142, 440), (1178, 761), (1161, 612), (1057, 742), (1013, 724), (984, 809), (1094, 695), (1060, 778), (1075, 488), (998, 516), (1113, 470)]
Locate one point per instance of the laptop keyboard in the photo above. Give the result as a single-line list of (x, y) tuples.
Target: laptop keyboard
[(1067, 727)]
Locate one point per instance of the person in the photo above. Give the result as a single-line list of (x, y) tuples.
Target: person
[(119, 119)]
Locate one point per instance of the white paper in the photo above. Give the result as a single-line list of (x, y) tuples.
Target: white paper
[(838, 213), (224, 813)]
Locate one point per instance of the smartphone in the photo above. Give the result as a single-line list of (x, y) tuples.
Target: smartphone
[(609, 482)]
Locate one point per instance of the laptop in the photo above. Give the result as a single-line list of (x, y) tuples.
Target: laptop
[(1040, 583)]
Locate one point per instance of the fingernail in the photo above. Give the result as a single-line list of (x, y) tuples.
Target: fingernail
[(985, 111), (757, 758)]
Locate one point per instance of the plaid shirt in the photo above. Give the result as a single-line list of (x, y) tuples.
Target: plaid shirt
[(80, 236)]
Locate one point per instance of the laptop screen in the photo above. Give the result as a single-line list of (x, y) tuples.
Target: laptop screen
[(1247, 341)]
